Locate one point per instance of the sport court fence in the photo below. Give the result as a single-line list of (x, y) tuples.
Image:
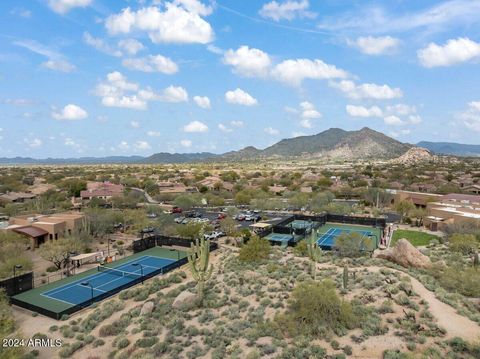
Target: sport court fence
[(18, 284), (159, 241), (284, 227), (138, 246), (100, 297)]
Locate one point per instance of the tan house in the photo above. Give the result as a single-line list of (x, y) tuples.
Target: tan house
[(17, 197), (102, 190), (40, 228)]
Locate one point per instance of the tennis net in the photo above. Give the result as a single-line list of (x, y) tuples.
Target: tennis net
[(118, 272)]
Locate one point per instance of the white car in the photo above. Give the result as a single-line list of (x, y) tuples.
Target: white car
[(179, 219), (214, 235)]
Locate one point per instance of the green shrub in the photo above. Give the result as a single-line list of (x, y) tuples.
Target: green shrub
[(123, 343), (256, 249), (315, 308), (301, 249), (463, 243)]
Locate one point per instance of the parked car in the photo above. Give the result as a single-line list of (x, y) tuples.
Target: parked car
[(179, 219), (222, 216), (214, 235), (193, 214), (152, 215), (185, 220), (177, 210), (240, 217)]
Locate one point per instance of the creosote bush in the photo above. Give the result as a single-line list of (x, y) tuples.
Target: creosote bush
[(316, 309), (256, 249)]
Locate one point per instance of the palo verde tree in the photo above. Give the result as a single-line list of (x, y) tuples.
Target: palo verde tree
[(198, 261), (314, 253)]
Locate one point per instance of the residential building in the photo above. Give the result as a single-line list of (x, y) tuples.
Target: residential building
[(102, 190)]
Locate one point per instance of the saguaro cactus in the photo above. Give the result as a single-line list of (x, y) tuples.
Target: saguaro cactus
[(314, 254), (476, 260), (198, 261), (345, 276)]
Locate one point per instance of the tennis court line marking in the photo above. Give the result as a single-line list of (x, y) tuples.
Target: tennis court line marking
[(50, 294), (60, 300)]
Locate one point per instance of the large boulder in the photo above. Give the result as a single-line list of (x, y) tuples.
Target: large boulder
[(185, 300), (404, 254), (147, 308)]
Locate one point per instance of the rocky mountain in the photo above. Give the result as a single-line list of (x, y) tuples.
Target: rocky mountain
[(451, 148), (332, 143), (415, 155), (165, 157)]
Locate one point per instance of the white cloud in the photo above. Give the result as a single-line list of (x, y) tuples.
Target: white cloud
[(238, 124), (240, 97), (455, 51), (195, 126), (376, 45), (367, 90), (33, 143), (142, 145), (272, 131), (64, 6), (174, 94), (69, 113), (123, 145), (298, 134), (399, 133), (202, 101), (293, 72), (151, 63), (393, 120), (56, 61), (186, 143), (224, 128), (134, 124), (100, 45), (117, 91), (287, 10), (401, 109), (375, 19), (309, 111), (361, 111), (178, 23), (248, 61), (195, 6), (471, 117), (153, 133), (58, 65), (130, 46)]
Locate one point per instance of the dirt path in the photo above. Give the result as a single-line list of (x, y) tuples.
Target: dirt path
[(455, 324)]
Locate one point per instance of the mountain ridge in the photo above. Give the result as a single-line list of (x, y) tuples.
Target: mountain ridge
[(332, 143)]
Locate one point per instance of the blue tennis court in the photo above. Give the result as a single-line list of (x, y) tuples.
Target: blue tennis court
[(107, 279), (327, 239)]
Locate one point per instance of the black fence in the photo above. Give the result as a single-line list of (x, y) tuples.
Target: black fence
[(138, 246), (17, 284), (83, 305), (284, 227), (158, 241)]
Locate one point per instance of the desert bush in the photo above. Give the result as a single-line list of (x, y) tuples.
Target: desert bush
[(316, 308), (301, 249), (256, 249), (463, 243)]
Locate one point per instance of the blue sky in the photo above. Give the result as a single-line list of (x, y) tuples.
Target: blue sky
[(99, 78)]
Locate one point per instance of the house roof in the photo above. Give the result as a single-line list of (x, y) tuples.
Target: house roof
[(461, 197), (31, 231)]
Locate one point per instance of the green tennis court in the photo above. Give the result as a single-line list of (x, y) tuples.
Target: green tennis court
[(72, 293)]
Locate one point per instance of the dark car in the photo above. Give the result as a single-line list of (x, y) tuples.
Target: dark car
[(177, 210)]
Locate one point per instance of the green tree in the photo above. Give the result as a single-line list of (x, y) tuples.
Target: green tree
[(13, 251), (185, 202), (58, 251), (242, 197), (255, 250), (351, 245), (463, 243), (190, 230), (403, 208)]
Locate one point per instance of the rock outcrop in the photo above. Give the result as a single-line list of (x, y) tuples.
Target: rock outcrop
[(147, 308), (404, 254), (414, 156), (185, 300)]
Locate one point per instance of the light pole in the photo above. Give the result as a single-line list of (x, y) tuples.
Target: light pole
[(87, 284), (15, 267), (141, 269)]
